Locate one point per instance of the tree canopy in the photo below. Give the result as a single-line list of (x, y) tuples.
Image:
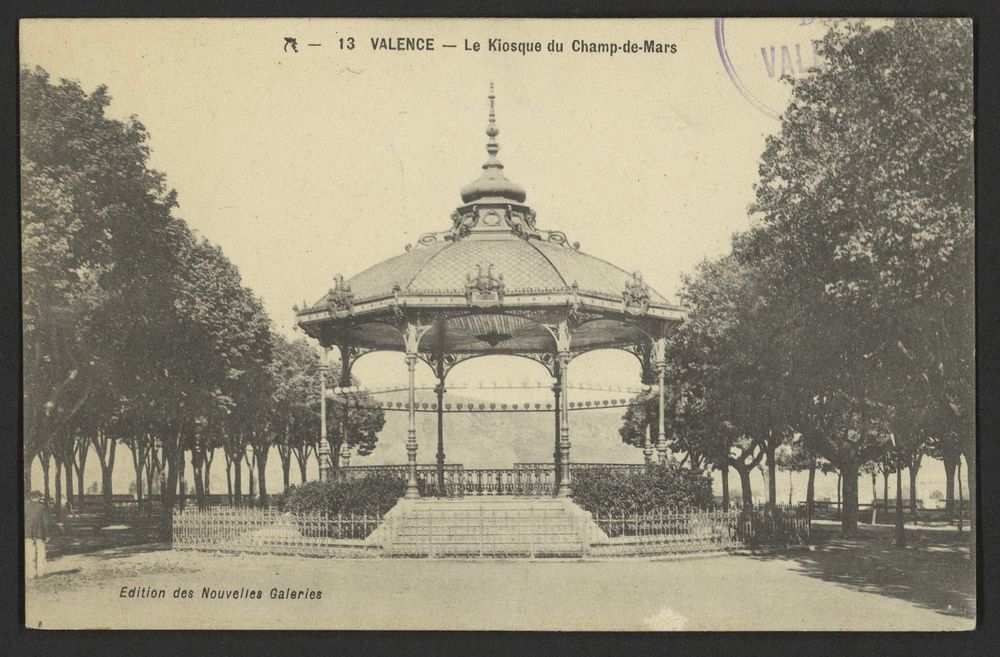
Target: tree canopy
[(135, 328), (844, 316)]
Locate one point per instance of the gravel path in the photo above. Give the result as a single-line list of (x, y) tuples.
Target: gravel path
[(716, 593)]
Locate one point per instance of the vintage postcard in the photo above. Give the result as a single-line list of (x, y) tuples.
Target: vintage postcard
[(508, 324)]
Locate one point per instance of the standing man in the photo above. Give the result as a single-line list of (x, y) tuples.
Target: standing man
[(36, 532)]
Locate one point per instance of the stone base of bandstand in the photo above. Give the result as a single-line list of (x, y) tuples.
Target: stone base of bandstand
[(486, 526)]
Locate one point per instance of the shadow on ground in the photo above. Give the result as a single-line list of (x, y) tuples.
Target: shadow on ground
[(934, 570)]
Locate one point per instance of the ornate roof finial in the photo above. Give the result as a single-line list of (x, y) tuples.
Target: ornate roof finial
[(492, 147), (492, 183)]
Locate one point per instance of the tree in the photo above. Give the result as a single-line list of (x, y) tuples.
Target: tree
[(863, 219), (797, 455), (731, 370), (295, 401), (365, 420)]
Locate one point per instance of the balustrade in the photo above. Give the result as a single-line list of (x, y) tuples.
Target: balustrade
[(533, 480)]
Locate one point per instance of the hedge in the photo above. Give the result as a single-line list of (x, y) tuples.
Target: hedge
[(375, 493), (610, 490)]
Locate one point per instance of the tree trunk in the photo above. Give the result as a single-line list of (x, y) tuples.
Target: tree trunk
[(68, 469), (745, 490), (58, 481), (43, 458), (237, 481), (840, 489), (913, 488), (229, 477), (182, 480), (80, 464), (137, 458), (151, 469), (262, 478), (961, 500), (335, 459), (772, 471), (874, 496), (725, 486), (950, 466), (197, 465), (970, 469), (849, 521), (286, 466), (207, 467), (173, 462), (811, 489), (250, 475), (885, 490), (107, 462), (80, 490)]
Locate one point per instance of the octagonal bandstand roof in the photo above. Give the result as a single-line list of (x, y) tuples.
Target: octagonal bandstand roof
[(490, 284)]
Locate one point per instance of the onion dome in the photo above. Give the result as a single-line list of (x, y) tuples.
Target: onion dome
[(492, 184)]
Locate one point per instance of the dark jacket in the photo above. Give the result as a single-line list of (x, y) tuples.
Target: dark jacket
[(36, 520)]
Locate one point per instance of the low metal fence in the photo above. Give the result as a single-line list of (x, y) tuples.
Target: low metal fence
[(271, 531), (527, 531), (672, 531)]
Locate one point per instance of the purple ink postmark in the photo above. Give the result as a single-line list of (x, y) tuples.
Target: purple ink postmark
[(764, 51)]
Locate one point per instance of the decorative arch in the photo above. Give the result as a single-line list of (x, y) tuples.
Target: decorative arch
[(548, 367)]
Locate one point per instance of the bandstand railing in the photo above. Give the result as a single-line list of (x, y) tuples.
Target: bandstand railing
[(425, 471), (535, 479), (502, 481), (633, 467), (523, 479)]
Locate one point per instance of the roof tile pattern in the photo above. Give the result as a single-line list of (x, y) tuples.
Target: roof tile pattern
[(522, 266), (526, 265), (590, 273), (379, 279)]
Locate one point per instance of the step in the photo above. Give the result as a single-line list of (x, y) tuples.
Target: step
[(476, 548), (469, 538), (486, 538), (505, 525), (443, 521)]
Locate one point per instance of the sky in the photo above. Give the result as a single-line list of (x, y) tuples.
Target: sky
[(304, 164)]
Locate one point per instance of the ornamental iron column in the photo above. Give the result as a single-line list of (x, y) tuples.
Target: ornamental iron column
[(564, 477), (412, 341), (439, 390), (556, 457), (647, 443), (562, 336), (323, 451), (660, 348), (345, 383)]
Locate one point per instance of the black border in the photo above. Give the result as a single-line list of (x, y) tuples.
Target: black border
[(18, 641)]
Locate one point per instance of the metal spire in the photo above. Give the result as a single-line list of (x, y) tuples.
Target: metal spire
[(492, 131), (492, 183)]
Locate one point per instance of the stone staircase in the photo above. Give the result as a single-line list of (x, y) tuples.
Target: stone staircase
[(485, 526)]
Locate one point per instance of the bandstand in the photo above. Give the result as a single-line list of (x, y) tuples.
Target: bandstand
[(493, 283)]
